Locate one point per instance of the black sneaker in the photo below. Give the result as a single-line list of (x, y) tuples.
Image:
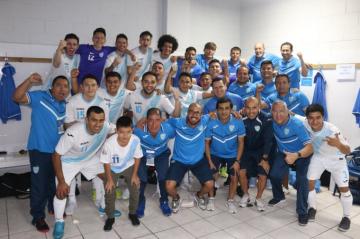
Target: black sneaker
[(134, 219), (303, 220), (239, 191), (41, 225), (108, 224), (344, 224), (274, 202), (311, 214)]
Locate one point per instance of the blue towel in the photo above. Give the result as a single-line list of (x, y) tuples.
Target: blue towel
[(356, 109), (319, 93), (8, 108)]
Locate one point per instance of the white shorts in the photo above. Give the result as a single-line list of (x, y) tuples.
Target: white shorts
[(338, 169), (89, 168)]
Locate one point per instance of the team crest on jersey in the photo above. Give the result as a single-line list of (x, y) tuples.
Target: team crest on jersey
[(291, 99), (257, 128), (248, 90), (201, 128), (101, 54), (286, 131), (162, 136), (231, 127)]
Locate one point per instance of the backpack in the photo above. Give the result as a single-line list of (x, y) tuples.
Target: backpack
[(17, 185)]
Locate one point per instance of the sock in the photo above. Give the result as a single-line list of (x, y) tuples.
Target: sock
[(312, 199), (346, 200), (98, 185), (59, 208)]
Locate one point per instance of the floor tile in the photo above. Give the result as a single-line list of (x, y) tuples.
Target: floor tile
[(127, 230), (219, 234), (244, 231), (184, 216), (174, 233), (200, 228), (102, 235), (223, 220), (332, 234), (312, 229), (159, 223), (285, 232)]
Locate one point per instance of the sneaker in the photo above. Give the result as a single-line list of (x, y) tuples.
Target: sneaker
[(58, 232), (108, 224), (164, 206), (200, 202), (231, 206), (344, 224), (311, 214), (41, 225), (134, 219), (140, 211), (286, 190), (268, 184), (244, 201), (252, 182), (125, 195), (274, 202), (260, 205), (211, 204), (303, 220), (239, 191), (175, 205), (101, 210)]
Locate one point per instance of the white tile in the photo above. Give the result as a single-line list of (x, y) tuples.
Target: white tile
[(248, 213), (3, 225), (284, 232), (353, 232), (327, 219), (148, 237), (331, 234), (223, 220), (100, 234), (159, 223), (28, 235), (311, 229), (127, 230), (184, 216), (244, 231), (174, 233), (219, 234), (200, 228)]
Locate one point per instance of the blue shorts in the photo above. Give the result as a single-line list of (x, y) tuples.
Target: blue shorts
[(218, 161), (201, 170), (250, 162), (161, 166)]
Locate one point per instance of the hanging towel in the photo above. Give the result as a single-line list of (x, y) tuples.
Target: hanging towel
[(8, 108), (356, 109), (319, 92)]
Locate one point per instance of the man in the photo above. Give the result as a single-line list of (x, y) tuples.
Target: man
[(242, 86), (295, 150), (292, 66), (296, 102), (255, 61), (167, 44), (47, 118), (93, 57), (65, 59), (233, 64), (259, 143), (74, 154), (219, 89), (216, 71), (189, 65), (204, 59), (154, 136), (140, 101), (119, 60), (143, 54), (330, 146), (189, 148), (224, 145)]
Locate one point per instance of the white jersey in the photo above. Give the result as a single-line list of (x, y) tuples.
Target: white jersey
[(125, 60), (203, 101), (192, 96), (143, 59), (77, 145), (115, 103), (166, 62), (118, 156), (66, 65), (139, 105), (77, 106)]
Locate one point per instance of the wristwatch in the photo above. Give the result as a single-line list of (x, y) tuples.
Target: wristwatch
[(299, 155)]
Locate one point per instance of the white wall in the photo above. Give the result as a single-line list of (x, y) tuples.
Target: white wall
[(326, 31)]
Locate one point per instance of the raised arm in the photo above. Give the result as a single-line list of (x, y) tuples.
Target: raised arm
[(304, 69), (19, 95), (59, 51)]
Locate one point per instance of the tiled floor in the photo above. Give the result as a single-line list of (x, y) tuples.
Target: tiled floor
[(276, 222)]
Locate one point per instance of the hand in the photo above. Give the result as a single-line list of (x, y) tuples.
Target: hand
[(172, 71), (333, 141), (109, 186), (259, 88), (136, 67), (62, 190), (175, 94), (225, 64), (62, 45), (74, 73), (300, 55), (242, 62), (135, 181), (265, 165), (236, 167), (211, 165), (236, 114), (290, 158), (116, 61), (173, 59), (158, 91), (213, 115), (132, 56), (141, 123), (35, 79)]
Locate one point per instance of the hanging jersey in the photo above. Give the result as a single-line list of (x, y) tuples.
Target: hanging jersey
[(120, 157)]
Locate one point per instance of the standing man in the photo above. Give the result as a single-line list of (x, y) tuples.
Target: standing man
[(167, 44), (233, 64), (47, 118), (330, 146), (204, 59), (294, 150), (255, 61)]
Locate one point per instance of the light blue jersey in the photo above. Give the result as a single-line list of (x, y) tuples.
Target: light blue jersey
[(189, 146), (224, 137), (236, 100), (245, 91), (296, 102), (292, 69), (254, 65)]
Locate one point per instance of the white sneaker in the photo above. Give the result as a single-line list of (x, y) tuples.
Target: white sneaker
[(231, 206), (286, 190), (126, 194), (244, 201), (200, 202), (260, 205), (211, 204)]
